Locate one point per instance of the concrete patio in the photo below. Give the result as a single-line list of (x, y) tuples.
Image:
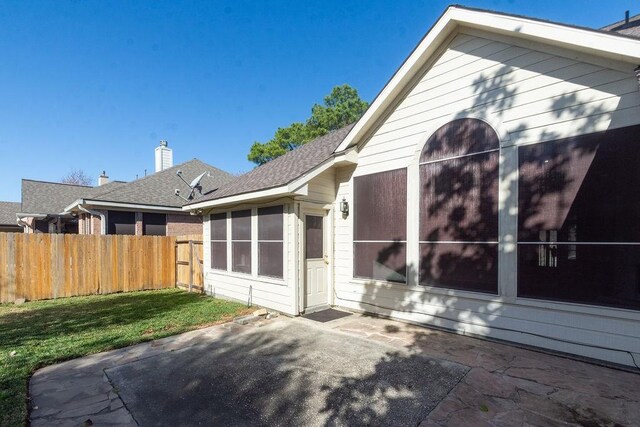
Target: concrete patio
[(348, 371)]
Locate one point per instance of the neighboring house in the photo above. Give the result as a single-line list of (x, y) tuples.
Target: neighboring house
[(146, 206), (630, 26), (8, 223), (492, 188), (43, 205)]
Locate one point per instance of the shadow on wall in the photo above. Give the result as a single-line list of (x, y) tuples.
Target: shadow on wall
[(459, 202)]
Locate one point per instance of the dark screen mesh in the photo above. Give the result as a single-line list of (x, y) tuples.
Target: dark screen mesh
[(314, 236), (584, 189), (380, 261), (120, 222), (459, 207), (380, 226), (270, 223), (241, 256), (219, 226), (154, 224), (472, 267), (459, 199), (270, 259), (241, 250), (219, 255), (460, 137), (270, 252), (241, 225), (219, 241), (606, 275), (380, 207)]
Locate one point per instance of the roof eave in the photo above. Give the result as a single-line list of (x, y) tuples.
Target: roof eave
[(121, 205), (296, 187), (607, 45)]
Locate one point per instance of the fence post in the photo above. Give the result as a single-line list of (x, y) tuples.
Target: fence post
[(190, 265)]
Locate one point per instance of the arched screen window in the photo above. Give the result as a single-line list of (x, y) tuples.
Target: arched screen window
[(459, 207)]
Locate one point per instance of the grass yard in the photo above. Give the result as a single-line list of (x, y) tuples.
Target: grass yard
[(46, 332)]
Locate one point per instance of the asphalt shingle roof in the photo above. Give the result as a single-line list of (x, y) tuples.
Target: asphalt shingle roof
[(40, 197), (8, 212), (284, 169), (158, 188), (631, 28)]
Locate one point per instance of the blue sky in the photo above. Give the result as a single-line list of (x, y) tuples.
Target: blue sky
[(94, 85)]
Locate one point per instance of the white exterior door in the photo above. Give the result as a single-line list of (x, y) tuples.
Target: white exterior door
[(316, 261)]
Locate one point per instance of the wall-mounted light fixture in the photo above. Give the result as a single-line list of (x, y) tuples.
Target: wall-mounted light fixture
[(344, 207)]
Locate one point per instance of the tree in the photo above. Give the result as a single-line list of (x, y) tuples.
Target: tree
[(341, 107), (77, 177)]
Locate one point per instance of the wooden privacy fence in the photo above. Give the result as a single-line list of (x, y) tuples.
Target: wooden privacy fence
[(42, 266), (189, 268)]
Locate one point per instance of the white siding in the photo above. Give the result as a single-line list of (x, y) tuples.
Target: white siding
[(530, 94), (534, 95), (322, 188), (252, 289)]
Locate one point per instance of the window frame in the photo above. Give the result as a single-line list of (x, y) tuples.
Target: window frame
[(225, 217), (260, 241), (441, 159), (357, 241)]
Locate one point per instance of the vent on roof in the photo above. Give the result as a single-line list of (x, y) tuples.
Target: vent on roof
[(164, 156)]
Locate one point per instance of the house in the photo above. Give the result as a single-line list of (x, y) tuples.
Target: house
[(490, 189), (146, 206), (8, 222)]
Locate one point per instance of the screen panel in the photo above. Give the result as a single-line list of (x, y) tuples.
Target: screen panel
[(154, 224), (121, 222), (314, 237), (458, 138), (465, 266)]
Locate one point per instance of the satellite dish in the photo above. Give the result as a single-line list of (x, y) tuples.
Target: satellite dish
[(196, 180), (193, 185)]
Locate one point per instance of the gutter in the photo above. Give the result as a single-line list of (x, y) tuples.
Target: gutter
[(296, 187), (103, 219)]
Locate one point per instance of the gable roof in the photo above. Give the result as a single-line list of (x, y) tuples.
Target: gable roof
[(606, 44), (284, 169), (42, 197), (8, 212), (158, 189), (631, 28)]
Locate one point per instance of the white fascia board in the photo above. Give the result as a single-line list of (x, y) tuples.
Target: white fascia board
[(30, 215), (271, 192), (298, 187), (603, 44), (131, 206), (73, 205)]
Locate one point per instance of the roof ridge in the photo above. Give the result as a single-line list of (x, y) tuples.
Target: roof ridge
[(622, 22), (58, 183)]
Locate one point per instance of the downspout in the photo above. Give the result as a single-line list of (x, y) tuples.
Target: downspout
[(21, 222), (103, 221)]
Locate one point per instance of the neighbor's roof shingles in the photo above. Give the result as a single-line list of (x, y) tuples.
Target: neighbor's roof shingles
[(631, 28), (40, 197), (283, 169), (158, 189), (8, 212)]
